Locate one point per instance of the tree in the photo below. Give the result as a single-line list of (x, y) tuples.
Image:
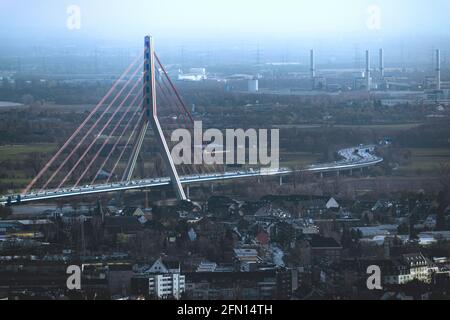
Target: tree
[(403, 229), (346, 240), (75, 206), (35, 162), (413, 220), (443, 196), (5, 212), (440, 219), (158, 166), (444, 173), (28, 99)]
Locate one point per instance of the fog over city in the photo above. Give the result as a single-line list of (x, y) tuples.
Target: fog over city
[(119, 20), (279, 29)]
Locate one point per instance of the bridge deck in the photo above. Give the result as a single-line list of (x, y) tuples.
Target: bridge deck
[(363, 158)]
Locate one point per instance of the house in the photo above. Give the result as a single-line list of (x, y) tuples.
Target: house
[(332, 204), (207, 267), (323, 248), (133, 212), (313, 207), (192, 235), (74, 217), (122, 225), (381, 230), (263, 238), (208, 229), (254, 285), (310, 230), (411, 267), (9, 226), (269, 211), (190, 216), (221, 206), (119, 278), (430, 221), (246, 259), (143, 220), (382, 205), (396, 296), (161, 266)]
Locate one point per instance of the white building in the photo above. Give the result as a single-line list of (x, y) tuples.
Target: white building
[(166, 281), (431, 221), (253, 85), (194, 74), (207, 267), (411, 267), (167, 286), (332, 204), (246, 259)]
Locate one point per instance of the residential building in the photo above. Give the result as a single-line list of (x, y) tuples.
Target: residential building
[(246, 259), (323, 248), (163, 280), (411, 267)]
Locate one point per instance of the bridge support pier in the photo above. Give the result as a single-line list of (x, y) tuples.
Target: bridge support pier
[(146, 204), (188, 192), (338, 173), (321, 175), (281, 181), (351, 172)]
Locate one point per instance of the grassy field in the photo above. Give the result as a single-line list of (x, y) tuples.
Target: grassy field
[(389, 127), (19, 152), (425, 161), (376, 127), (298, 126), (16, 179), (298, 159)]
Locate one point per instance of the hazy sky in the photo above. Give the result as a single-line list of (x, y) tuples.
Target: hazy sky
[(182, 19)]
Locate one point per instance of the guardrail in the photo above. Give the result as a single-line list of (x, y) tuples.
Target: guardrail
[(366, 159)]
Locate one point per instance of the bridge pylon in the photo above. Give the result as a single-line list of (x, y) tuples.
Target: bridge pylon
[(151, 119)]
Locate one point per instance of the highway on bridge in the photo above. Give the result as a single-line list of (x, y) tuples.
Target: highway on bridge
[(352, 158)]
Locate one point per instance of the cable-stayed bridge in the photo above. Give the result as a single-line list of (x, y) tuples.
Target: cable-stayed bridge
[(105, 153)]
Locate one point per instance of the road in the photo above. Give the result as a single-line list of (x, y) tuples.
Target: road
[(352, 158)]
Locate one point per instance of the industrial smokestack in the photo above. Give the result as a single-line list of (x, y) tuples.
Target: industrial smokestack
[(381, 63), (313, 65), (438, 69), (368, 82), (313, 68)]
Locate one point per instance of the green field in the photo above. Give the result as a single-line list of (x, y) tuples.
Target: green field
[(425, 161), (380, 127), (18, 152), (298, 126), (298, 159), (16, 179), (389, 127)]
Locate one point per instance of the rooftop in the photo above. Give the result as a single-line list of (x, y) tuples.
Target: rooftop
[(318, 241)]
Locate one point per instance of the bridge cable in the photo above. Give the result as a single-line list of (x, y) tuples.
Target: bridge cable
[(72, 137), (99, 133), (89, 131), (118, 140), (118, 124)]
